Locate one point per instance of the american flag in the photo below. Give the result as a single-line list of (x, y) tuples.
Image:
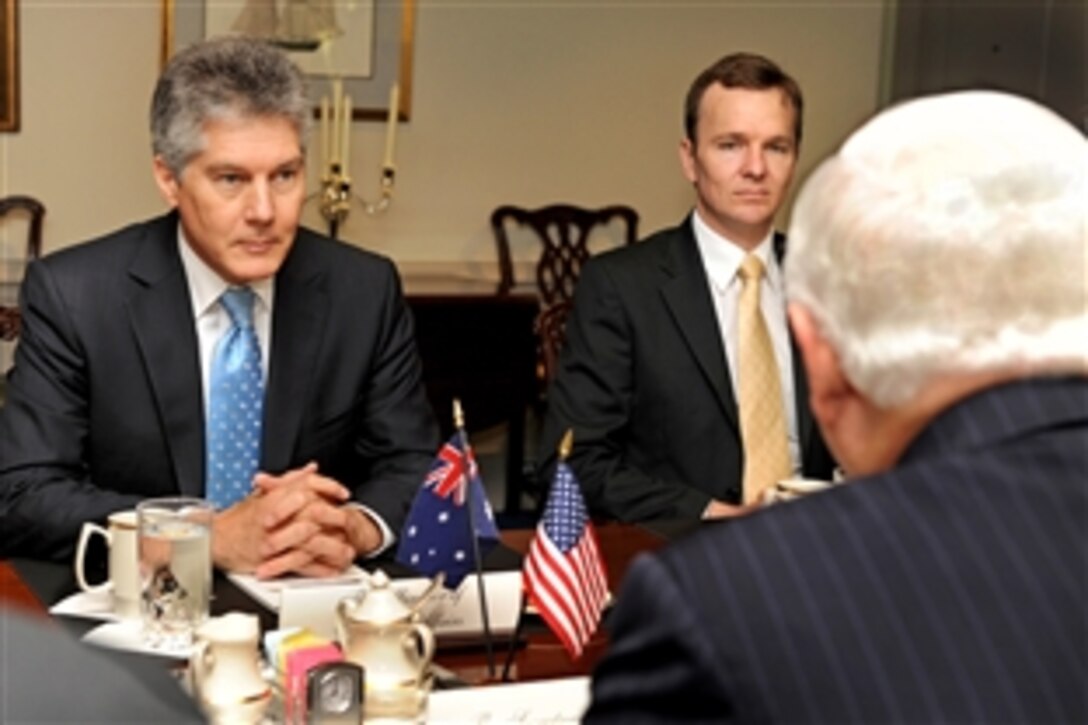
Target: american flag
[(437, 535), (564, 574)]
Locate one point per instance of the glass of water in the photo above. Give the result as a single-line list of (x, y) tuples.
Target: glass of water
[(175, 547)]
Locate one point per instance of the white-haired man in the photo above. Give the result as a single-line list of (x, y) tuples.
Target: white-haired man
[(937, 284)]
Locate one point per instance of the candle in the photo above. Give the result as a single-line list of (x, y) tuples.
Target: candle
[(335, 133), (325, 134), (391, 124), (347, 134)]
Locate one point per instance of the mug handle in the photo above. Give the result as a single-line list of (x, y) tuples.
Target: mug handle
[(423, 639), (89, 530), (201, 662)]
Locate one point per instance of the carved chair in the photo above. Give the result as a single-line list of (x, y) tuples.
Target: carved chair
[(564, 233), (550, 327), (10, 319)]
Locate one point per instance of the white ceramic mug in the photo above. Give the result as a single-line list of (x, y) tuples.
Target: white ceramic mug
[(124, 576)]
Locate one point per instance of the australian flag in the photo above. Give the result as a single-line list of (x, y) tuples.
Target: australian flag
[(438, 533)]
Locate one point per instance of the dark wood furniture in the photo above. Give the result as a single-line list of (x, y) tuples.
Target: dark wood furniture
[(564, 232), (479, 347), (10, 319), (550, 326)]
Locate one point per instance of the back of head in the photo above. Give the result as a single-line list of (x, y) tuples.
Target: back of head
[(743, 70), (948, 235), (228, 77)]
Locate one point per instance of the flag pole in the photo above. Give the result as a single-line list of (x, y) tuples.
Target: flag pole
[(514, 642), (459, 424)]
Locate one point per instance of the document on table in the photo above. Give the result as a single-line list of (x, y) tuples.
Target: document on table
[(311, 603), (547, 701), (269, 591)]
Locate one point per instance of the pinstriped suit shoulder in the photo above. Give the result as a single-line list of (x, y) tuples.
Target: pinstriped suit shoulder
[(951, 589)]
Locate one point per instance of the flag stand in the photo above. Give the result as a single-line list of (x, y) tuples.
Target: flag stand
[(459, 424), (515, 639)]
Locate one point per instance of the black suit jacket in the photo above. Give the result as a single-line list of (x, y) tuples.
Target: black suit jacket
[(643, 382), (47, 676), (104, 404), (950, 589)]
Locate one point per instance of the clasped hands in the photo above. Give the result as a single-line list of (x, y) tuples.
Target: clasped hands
[(293, 523)]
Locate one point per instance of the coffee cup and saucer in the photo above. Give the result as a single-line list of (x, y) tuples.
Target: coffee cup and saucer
[(118, 596), (791, 489)]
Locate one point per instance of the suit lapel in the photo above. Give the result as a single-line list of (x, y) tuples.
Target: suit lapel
[(301, 303), (160, 313), (686, 293)]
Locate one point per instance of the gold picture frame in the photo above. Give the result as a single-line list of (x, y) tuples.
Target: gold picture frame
[(9, 66), (393, 28)]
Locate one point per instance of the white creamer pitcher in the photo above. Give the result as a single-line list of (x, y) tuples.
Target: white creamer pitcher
[(226, 670)]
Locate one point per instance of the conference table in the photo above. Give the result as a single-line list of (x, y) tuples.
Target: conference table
[(33, 586)]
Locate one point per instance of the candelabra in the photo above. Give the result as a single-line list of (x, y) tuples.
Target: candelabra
[(336, 192), (337, 195)]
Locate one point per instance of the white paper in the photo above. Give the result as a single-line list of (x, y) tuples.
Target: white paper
[(549, 701), (128, 635), (457, 613), (449, 613), (314, 608), (88, 605), (268, 591)]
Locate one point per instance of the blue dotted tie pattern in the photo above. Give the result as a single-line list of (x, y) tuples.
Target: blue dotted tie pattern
[(234, 404)]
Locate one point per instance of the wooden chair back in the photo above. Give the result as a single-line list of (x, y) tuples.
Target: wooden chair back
[(10, 319), (564, 232)]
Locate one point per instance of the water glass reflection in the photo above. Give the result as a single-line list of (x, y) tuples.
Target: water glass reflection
[(175, 551)]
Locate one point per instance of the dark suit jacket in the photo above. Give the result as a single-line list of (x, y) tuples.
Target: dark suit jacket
[(643, 381), (47, 676), (104, 404), (950, 589)]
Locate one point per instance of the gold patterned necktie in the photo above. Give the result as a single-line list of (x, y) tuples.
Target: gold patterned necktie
[(762, 418)]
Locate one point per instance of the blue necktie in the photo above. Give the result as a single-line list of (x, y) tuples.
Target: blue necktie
[(234, 404)]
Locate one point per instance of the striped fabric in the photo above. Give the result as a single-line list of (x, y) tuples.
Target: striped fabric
[(951, 589), (564, 574)]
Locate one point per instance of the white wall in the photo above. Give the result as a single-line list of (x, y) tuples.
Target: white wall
[(515, 101)]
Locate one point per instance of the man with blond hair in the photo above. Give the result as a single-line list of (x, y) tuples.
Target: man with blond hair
[(937, 290)]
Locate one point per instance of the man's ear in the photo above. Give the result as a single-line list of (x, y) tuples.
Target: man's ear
[(687, 159), (829, 390), (165, 180)]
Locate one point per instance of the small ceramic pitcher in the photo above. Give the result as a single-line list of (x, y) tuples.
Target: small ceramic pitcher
[(384, 635), (226, 671)]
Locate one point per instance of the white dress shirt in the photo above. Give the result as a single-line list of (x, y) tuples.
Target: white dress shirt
[(722, 259), (212, 319)]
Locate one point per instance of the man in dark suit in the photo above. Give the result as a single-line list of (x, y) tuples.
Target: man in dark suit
[(650, 378), (112, 397), (937, 291)]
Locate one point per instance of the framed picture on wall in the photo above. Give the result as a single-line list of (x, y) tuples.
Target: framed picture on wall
[(366, 44), (9, 66)]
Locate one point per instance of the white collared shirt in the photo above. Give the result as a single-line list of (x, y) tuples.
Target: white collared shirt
[(722, 259), (212, 319)]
